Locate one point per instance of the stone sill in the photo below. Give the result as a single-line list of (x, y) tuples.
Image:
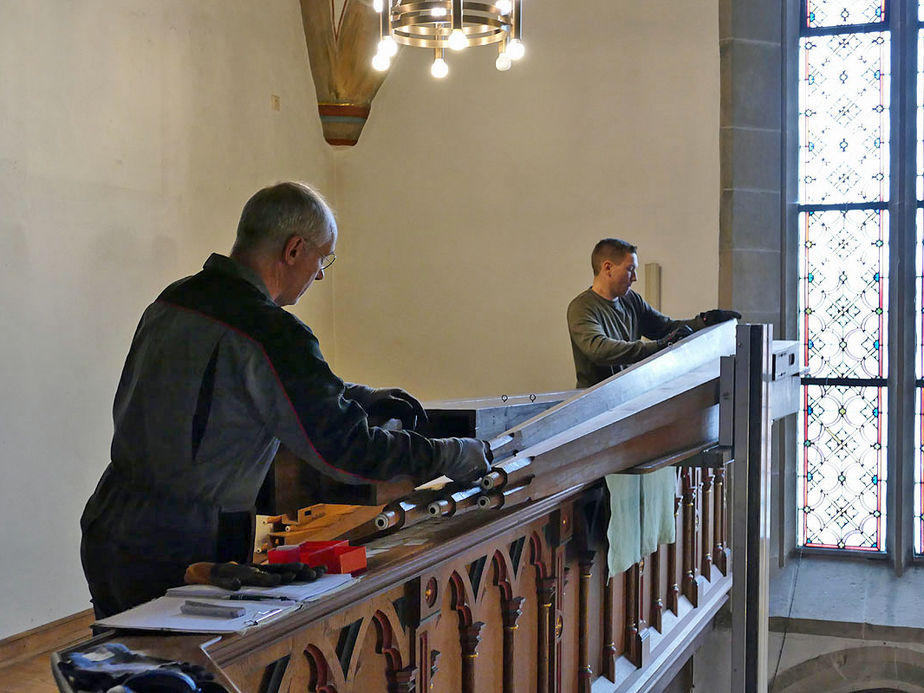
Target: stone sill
[(848, 597)]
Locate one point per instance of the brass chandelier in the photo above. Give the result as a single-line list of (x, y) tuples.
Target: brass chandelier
[(452, 24)]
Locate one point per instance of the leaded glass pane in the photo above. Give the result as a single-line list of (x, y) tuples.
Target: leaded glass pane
[(843, 269), (841, 480), (919, 392), (918, 485), (919, 295), (919, 150), (844, 118), (819, 13)]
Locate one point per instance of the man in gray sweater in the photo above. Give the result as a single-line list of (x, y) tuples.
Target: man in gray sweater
[(608, 320)]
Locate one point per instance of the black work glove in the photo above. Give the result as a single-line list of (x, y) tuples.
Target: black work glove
[(232, 576), (386, 403), (291, 572), (717, 315), (675, 336), (465, 459)]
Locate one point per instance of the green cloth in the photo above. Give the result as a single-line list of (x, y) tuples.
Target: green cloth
[(657, 505), (624, 532), (641, 516)]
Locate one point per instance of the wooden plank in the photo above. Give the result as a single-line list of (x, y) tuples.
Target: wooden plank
[(703, 349), (50, 636)]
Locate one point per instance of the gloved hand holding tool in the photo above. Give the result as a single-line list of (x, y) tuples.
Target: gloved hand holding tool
[(675, 336), (384, 403), (395, 403), (469, 459)]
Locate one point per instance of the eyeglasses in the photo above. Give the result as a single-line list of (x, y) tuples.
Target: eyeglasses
[(326, 260)]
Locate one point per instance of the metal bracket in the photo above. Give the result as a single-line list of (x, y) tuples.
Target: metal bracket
[(727, 401)]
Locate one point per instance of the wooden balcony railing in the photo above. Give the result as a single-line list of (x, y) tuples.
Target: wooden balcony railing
[(517, 598)]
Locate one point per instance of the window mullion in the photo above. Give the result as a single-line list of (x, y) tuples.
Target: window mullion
[(902, 341)]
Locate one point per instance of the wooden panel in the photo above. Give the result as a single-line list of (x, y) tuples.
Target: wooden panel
[(54, 635), (516, 611), (525, 640)]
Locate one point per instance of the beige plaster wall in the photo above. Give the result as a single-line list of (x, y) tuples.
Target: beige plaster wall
[(131, 133), (470, 206)]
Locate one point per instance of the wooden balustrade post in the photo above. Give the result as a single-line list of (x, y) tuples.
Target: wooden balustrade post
[(609, 629), (470, 637), (705, 563), (403, 681), (675, 561), (511, 616), (637, 642), (585, 671), (631, 618), (546, 634), (657, 602), (719, 550), (689, 586)]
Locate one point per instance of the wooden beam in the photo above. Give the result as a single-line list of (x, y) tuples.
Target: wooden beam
[(340, 49)]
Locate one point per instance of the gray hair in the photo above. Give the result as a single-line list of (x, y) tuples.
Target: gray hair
[(613, 249), (275, 214)]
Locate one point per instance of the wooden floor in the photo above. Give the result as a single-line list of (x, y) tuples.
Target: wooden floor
[(28, 676)]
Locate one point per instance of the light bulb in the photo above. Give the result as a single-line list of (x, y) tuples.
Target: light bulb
[(388, 47), (515, 49), (457, 40), (380, 62), (377, 5), (439, 68), (438, 12), (503, 62), (504, 6)]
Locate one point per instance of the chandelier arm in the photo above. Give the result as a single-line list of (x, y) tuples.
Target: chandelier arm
[(517, 19)]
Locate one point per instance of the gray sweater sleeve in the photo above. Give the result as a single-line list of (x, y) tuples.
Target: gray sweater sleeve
[(589, 336), (655, 325)]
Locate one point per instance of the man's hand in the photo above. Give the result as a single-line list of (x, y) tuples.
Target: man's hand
[(468, 460), (675, 336), (717, 315), (394, 403)]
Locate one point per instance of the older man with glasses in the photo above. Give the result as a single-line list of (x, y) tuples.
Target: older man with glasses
[(217, 375)]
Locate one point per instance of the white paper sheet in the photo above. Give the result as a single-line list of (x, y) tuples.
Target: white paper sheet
[(164, 613), (295, 591)]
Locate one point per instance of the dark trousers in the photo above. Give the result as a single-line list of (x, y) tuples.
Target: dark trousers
[(120, 578)]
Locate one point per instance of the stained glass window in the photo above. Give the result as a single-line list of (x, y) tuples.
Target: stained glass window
[(844, 118), (844, 179), (826, 13), (843, 473)]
